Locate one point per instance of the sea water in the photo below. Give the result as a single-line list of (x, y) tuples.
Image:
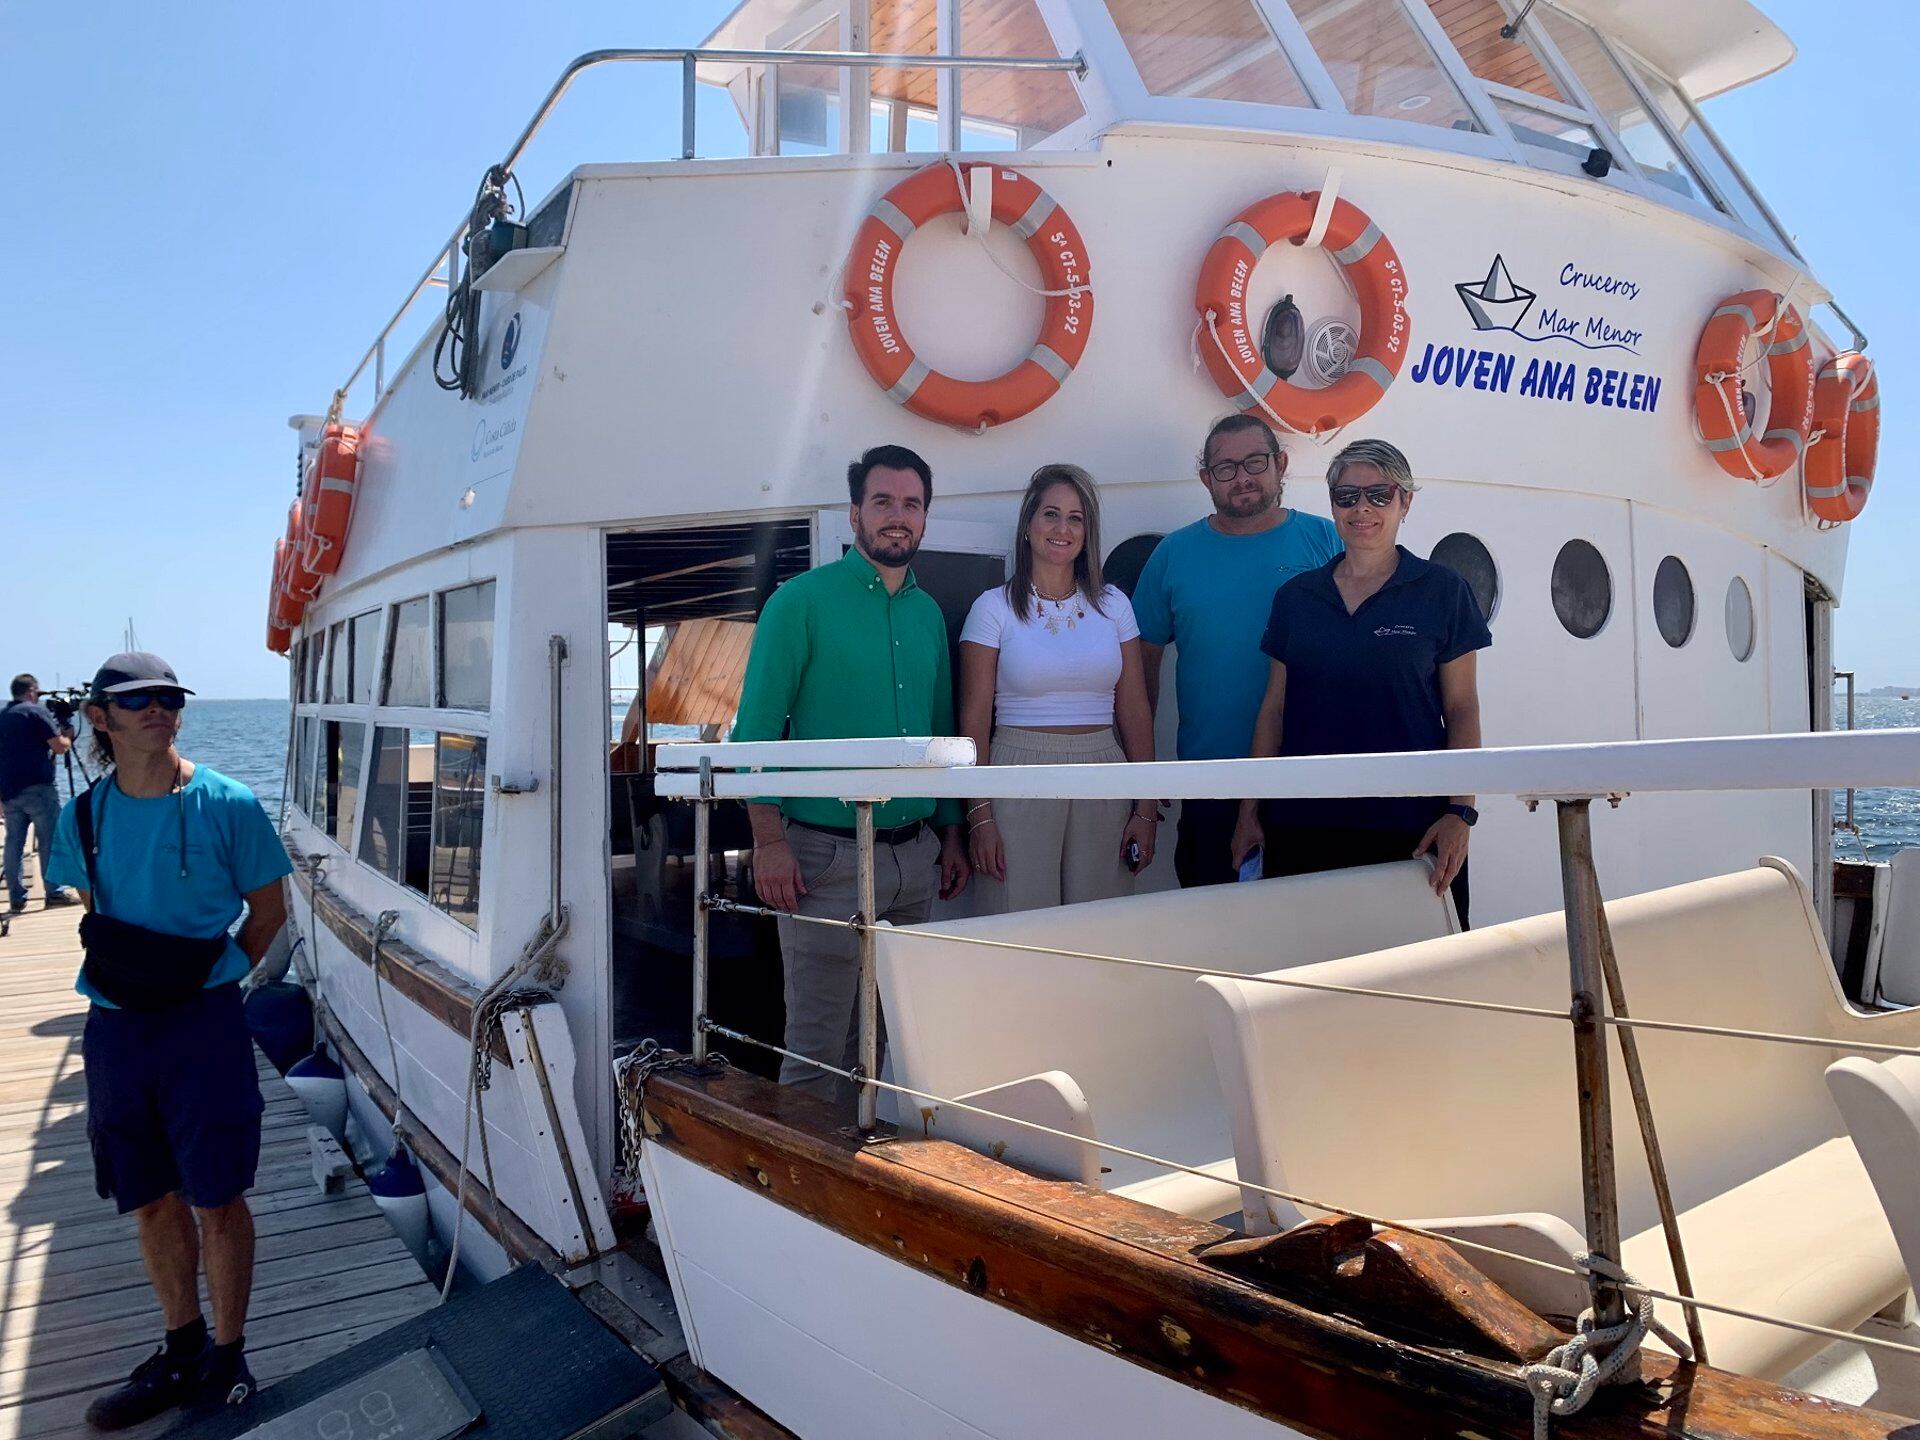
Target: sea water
[(247, 739)]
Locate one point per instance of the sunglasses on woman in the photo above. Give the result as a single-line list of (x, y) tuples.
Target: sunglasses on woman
[(141, 699), (1378, 496)]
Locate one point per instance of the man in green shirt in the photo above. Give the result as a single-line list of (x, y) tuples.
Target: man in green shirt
[(848, 650)]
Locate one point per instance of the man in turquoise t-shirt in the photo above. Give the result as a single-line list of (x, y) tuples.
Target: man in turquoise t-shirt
[(1207, 589), (173, 1100)]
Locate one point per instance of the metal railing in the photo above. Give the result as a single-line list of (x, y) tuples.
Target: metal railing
[(1570, 777), (444, 271)]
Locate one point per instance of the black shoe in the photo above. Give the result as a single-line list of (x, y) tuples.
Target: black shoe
[(224, 1377), (157, 1384), (57, 898)]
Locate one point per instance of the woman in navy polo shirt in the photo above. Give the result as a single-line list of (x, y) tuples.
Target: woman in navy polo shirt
[(1371, 652)]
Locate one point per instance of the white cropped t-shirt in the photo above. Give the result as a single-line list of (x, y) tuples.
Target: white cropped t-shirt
[(1061, 664)]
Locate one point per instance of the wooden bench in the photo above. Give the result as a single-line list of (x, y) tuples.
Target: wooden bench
[(1109, 1052), (1468, 1119)]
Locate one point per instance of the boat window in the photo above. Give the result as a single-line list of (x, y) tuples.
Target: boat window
[(303, 764), (1128, 559), (466, 647), (1740, 630), (1622, 106), (1474, 28), (363, 657), (346, 746), (315, 647), (1382, 65), (996, 106), (1218, 50), (298, 656), (903, 101), (1673, 601), (459, 804), (809, 107), (408, 657), (319, 791), (1582, 589), (1545, 130), (1468, 557), (1704, 151), (396, 838), (338, 666)]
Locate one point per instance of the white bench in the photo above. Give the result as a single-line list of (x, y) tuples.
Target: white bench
[(1467, 1117), (1112, 1052)]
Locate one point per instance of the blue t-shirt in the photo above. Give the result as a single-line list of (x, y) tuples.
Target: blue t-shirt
[(1209, 594), (1369, 682), (231, 849), (25, 760)]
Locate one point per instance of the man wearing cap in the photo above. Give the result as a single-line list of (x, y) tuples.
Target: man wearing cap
[(29, 739), (165, 853)]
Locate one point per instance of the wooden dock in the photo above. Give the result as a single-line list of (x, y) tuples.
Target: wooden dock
[(75, 1311)]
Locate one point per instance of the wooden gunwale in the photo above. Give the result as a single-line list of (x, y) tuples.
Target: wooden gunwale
[(1126, 1277), (422, 979)]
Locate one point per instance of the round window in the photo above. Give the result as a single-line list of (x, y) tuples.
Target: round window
[(1739, 618), (1470, 559), (1582, 589), (1673, 601), (1127, 560)]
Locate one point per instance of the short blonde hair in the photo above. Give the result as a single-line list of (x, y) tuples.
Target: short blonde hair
[(1383, 456)]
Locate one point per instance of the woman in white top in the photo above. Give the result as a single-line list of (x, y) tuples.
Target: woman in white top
[(1050, 667)]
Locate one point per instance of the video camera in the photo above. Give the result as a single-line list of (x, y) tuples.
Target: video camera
[(63, 704)]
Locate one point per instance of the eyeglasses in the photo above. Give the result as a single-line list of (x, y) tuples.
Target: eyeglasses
[(1348, 496), (141, 699), (1224, 471)]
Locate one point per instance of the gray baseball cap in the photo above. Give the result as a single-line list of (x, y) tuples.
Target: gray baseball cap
[(135, 670)]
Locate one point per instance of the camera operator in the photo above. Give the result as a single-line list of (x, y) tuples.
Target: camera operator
[(29, 739)]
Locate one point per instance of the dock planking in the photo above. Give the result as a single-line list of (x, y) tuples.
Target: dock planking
[(75, 1311)]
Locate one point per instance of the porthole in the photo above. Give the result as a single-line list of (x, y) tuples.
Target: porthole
[(1582, 589), (1673, 606), (1470, 559), (1127, 560), (1739, 618)]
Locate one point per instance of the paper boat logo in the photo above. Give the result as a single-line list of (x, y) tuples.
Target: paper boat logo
[(1496, 303)]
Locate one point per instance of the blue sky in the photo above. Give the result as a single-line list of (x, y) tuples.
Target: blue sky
[(206, 229)]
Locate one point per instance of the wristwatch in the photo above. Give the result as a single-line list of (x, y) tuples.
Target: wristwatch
[(1466, 813)]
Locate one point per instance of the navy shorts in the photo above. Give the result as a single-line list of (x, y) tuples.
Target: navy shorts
[(173, 1101)]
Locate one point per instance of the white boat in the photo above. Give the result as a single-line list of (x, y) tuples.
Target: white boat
[(633, 426)]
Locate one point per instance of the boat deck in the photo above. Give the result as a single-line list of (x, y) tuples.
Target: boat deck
[(76, 1313)]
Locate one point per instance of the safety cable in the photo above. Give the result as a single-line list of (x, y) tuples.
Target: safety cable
[(1308, 1203)]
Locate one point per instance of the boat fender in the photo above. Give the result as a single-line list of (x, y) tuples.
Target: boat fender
[(1845, 448), (401, 1193), (280, 1019), (322, 1088), (1055, 244), (1719, 393), (1235, 357)]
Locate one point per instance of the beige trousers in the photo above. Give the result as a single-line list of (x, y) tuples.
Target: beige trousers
[(1058, 852)]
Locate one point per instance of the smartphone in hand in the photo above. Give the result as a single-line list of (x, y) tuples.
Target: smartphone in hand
[(1251, 866), (1133, 857)]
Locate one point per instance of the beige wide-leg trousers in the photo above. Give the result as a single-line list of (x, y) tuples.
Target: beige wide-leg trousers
[(1058, 851)]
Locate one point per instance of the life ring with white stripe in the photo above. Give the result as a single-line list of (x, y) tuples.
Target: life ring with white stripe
[(1719, 393), (1845, 448), (279, 627), (299, 583), (1231, 348), (1051, 238), (327, 497)]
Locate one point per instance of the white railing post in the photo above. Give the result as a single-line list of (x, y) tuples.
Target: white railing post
[(869, 1006), (702, 844)]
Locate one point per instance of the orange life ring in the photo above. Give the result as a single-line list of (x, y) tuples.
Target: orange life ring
[(1719, 390), (327, 497), (1054, 242), (1231, 349), (300, 583), (1845, 452), (279, 627)]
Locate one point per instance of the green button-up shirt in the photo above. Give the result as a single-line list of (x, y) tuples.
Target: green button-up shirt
[(835, 657)]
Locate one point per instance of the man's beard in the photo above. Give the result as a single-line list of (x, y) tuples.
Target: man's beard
[(1258, 503), (883, 551)]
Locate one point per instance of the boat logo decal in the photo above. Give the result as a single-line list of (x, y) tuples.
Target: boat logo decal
[(1499, 306)]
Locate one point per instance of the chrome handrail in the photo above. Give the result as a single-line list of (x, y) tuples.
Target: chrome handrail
[(689, 60)]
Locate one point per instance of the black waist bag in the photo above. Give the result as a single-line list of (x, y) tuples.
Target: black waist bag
[(131, 966)]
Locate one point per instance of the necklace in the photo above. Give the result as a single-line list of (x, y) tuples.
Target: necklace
[(1060, 618)]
